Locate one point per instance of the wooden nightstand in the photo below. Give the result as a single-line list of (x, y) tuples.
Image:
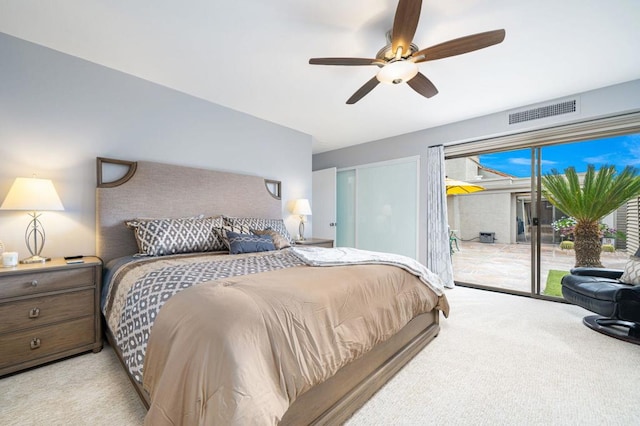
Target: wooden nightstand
[(49, 311), (318, 242)]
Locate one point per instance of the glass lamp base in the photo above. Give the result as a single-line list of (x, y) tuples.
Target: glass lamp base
[(35, 232), (301, 231), (35, 259)]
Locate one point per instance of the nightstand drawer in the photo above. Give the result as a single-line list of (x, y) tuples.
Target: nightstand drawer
[(45, 310), (24, 346), (50, 280)]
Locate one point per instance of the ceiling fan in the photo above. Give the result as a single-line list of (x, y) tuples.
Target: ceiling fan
[(398, 59)]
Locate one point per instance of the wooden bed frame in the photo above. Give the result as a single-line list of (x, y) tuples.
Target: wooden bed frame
[(147, 189)]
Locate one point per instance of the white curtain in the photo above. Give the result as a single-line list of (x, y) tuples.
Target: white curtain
[(438, 254)]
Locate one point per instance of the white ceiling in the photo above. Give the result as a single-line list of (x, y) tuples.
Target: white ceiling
[(252, 55)]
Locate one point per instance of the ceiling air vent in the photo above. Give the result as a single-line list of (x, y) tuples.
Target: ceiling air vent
[(543, 112)]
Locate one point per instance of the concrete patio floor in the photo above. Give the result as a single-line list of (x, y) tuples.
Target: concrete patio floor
[(508, 266)]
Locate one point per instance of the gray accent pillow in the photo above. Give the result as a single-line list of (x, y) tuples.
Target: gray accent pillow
[(159, 237), (248, 243), (631, 274), (221, 232)]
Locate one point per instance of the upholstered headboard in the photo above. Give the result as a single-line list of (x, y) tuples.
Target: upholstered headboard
[(156, 190)]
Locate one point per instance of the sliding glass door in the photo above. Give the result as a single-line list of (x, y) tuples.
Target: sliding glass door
[(508, 237), (555, 242), (492, 229)]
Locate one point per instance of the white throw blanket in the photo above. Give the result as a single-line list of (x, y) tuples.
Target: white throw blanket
[(318, 256)]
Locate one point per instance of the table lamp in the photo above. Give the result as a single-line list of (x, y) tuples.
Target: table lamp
[(34, 195), (303, 209)]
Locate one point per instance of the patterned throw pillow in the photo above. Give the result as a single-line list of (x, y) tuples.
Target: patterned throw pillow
[(631, 274), (223, 229), (279, 241), (260, 224), (248, 243), (159, 237)]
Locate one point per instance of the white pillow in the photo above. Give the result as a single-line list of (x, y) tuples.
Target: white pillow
[(631, 274)]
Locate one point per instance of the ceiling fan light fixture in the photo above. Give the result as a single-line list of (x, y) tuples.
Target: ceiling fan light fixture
[(398, 59), (397, 72)]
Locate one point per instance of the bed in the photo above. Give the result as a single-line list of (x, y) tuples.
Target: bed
[(241, 326)]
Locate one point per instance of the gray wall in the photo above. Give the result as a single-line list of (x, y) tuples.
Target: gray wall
[(58, 113), (485, 212), (618, 99)]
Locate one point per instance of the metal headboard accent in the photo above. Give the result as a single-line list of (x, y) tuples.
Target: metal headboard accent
[(274, 187), (100, 161)]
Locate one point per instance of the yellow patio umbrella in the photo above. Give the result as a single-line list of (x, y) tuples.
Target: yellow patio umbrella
[(457, 187)]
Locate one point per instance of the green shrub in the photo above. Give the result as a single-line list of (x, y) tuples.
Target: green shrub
[(608, 248), (566, 245)]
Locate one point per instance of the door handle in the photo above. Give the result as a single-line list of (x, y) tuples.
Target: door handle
[(333, 224)]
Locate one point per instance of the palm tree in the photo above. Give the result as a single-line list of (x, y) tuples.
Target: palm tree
[(601, 193)]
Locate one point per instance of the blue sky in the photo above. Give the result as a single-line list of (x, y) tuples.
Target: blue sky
[(619, 151)]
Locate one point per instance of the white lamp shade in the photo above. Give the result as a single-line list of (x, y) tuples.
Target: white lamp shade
[(302, 207), (32, 194)]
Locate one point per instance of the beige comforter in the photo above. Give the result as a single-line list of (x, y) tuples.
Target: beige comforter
[(241, 350)]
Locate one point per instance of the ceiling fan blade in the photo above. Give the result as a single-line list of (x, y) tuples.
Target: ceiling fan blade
[(361, 92), (405, 24), (423, 85), (342, 61), (460, 45)]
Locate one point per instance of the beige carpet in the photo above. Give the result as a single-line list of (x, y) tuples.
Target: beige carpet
[(499, 359)]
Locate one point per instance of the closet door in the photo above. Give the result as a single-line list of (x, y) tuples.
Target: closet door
[(378, 207), (346, 209)]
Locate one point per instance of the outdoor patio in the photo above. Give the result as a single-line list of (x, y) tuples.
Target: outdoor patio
[(508, 266)]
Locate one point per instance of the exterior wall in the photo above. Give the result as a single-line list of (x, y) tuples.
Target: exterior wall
[(465, 169), (59, 113), (482, 212), (496, 209)]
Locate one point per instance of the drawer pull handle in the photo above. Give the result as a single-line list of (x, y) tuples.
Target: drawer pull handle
[(34, 283), (34, 313), (35, 343)]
